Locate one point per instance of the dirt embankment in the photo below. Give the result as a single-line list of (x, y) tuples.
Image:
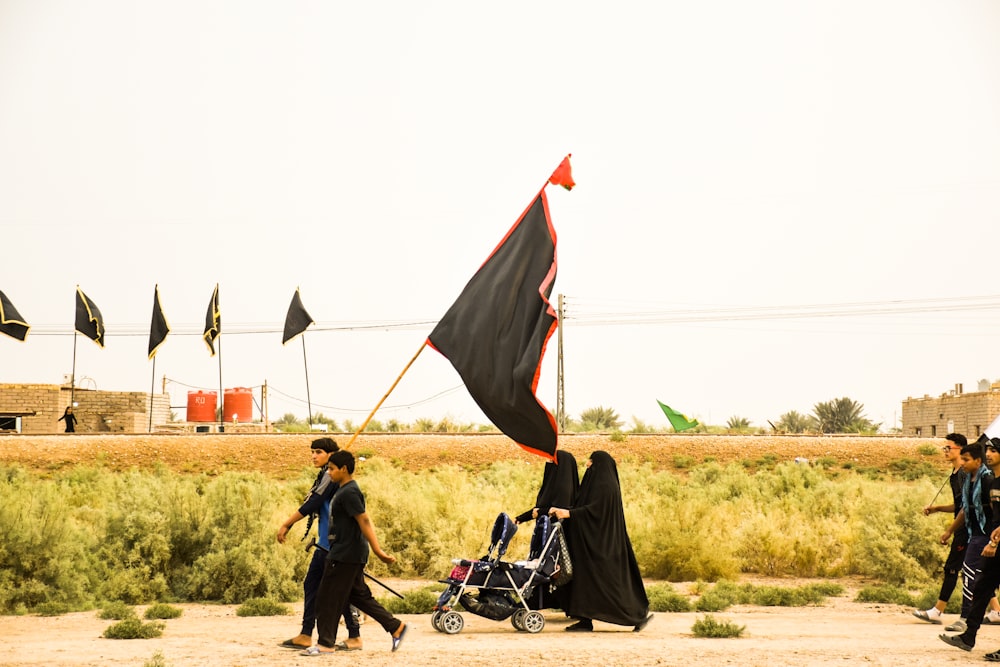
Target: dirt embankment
[(283, 455)]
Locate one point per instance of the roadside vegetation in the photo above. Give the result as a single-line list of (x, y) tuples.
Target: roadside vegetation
[(78, 537)]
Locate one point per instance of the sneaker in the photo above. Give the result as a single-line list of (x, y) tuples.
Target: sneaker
[(932, 615), (992, 618), (957, 626), (956, 641), (992, 657)]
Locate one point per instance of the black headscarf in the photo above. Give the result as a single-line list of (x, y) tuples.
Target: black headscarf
[(560, 482), (607, 584)]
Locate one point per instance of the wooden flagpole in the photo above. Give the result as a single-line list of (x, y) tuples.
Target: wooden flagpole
[(72, 377), (375, 409), (222, 417)]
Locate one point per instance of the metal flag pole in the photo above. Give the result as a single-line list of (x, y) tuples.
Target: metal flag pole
[(152, 388), (308, 396)]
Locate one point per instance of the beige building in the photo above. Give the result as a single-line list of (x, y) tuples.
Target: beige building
[(36, 408), (953, 412)]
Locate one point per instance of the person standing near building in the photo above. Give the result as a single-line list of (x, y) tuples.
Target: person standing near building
[(69, 418)]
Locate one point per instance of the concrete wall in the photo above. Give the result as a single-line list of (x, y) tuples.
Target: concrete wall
[(96, 411)]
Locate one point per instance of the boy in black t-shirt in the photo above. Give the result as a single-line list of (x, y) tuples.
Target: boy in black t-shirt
[(351, 533), (989, 578)]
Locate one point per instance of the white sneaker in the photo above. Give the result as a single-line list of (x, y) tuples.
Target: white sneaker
[(992, 618), (932, 615), (957, 626)]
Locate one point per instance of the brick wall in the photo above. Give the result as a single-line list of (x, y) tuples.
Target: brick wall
[(970, 413), (96, 411)]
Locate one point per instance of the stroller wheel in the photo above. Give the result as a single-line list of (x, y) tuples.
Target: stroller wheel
[(534, 622), (451, 623), (436, 620), (517, 620)]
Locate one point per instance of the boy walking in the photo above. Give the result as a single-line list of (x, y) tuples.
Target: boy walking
[(351, 533), (317, 506), (989, 578), (977, 516)]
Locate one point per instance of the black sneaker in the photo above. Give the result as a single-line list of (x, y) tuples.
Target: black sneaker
[(955, 640), (992, 657)]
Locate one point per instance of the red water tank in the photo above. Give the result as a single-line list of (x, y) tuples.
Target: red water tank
[(201, 406), (238, 405)]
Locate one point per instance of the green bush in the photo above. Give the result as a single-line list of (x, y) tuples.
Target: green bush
[(133, 628), (419, 601), (262, 607), (707, 626), (886, 594), (52, 608), (157, 660), (663, 597), (161, 610), (116, 611)]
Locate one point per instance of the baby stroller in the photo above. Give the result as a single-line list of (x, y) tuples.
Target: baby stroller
[(496, 589)]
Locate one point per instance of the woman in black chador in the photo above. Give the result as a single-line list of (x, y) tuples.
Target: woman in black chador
[(606, 584), (560, 482), (70, 420)]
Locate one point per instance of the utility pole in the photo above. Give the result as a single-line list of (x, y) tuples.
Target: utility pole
[(560, 387)]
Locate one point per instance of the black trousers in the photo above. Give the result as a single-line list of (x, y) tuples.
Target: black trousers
[(314, 575), (343, 584)]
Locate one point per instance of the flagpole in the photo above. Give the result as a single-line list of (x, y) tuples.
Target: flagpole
[(72, 377), (152, 388), (308, 397), (221, 406), (375, 409)]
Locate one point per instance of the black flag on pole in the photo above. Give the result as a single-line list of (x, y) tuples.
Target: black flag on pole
[(158, 328), (297, 319), (11, 322), (496, 331), (88, 318), (213, 321)]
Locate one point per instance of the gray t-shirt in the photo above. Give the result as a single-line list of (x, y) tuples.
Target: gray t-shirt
[(347, 544)]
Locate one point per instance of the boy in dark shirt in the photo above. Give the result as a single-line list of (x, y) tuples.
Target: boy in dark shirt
[(317, 505), (989, 578), (977, 517), (351, 533)]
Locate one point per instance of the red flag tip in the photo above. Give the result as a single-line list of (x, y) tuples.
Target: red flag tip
[(563, 175)]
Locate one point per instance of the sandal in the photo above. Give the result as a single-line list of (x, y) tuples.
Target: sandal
[(342, 646), (992, 657)]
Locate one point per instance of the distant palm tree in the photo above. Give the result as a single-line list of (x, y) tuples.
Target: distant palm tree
[(600, 419), (842, 415), (795, 422), (738, 423)]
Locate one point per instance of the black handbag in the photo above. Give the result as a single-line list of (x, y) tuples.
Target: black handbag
[(565, 562)]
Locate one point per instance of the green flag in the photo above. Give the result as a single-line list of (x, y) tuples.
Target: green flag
[(677, 420)]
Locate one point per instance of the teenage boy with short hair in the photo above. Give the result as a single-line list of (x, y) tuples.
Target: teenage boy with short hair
[(351, 534), (989, 578), (317, 506), (977, 516)]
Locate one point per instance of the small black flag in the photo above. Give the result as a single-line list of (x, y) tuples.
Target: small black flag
[(11, 322), (213, 321), (158, 328), (297, 319), (88, 318)]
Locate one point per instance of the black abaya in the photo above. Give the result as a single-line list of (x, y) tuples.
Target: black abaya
[(560, 482), (607, 584)]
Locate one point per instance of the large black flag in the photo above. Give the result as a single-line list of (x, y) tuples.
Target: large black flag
[(213, 321), (88, 318), (11, 322), (158, 328), (297, 319), (496, 331)]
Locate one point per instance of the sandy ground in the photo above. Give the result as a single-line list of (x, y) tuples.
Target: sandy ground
[(839, 632)]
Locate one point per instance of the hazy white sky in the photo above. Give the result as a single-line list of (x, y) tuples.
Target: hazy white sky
[(728, 155)]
